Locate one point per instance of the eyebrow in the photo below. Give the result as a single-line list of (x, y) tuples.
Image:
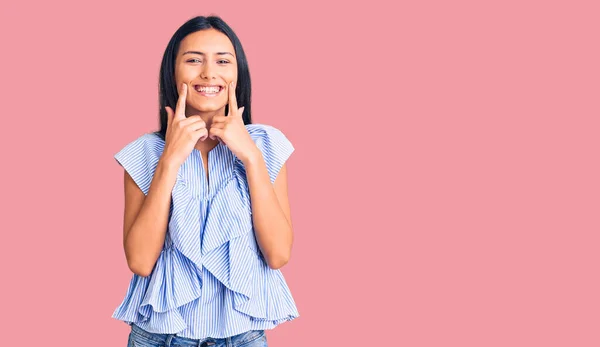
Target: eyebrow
[(201, 53)]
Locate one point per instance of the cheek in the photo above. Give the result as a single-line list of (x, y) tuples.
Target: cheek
[(231, 75), (183, 74)]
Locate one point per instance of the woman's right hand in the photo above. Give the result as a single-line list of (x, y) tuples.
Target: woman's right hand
[(182, 132)]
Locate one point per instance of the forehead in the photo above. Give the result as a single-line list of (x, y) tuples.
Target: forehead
[(208, 41)]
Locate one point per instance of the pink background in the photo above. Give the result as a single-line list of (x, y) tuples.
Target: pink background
[(444, 189)]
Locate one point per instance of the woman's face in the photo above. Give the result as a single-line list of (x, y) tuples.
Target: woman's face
[(206, 62)]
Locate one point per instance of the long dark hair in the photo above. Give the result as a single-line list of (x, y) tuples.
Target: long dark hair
[(168, 90)]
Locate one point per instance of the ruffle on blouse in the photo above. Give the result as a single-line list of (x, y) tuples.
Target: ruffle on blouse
[(227, 247), (153, 296)]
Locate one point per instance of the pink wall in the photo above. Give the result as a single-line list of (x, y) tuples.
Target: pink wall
[(444, 188)]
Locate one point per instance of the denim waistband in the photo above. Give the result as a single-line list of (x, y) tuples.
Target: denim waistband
[(169, 339)]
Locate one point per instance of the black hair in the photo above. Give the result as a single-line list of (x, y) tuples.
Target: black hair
[(168, 94)]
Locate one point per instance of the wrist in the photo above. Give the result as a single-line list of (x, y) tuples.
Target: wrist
[(252, 158), (167, 165)]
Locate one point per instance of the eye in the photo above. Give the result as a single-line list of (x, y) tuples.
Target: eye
[(224, 61), (192, 60)]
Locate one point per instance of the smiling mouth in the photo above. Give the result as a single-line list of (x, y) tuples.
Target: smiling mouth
[(212, 90)]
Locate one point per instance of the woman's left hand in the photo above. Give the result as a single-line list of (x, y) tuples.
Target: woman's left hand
[(232, 131)]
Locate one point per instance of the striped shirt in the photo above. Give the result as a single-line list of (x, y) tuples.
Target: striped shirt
[(211, 279)]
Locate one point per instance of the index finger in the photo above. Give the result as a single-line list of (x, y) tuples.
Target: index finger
[(180, 110), (232, 101)]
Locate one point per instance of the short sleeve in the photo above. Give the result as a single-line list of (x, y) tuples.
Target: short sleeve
[(274, 145), (135, 159)]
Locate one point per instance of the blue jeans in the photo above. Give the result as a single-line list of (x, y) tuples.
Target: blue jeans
[(139, 337)]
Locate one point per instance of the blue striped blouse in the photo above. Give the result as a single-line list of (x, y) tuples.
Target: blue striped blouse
[(210, 280)]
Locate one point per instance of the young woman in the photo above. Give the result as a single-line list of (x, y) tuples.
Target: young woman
[(207, 219)]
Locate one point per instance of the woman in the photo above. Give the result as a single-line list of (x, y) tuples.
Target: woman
[(207, 219)]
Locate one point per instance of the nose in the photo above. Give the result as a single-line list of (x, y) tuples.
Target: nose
[(207, 71)]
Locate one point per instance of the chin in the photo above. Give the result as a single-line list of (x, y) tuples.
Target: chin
[(208, 107)]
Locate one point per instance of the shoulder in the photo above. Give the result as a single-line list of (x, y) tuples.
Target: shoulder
[(274, 145), (147, 142), (262, 129), (146, 139), (265, 135), (139, 158)]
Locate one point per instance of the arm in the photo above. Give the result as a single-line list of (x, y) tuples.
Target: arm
[(270, 211), (145, 219)]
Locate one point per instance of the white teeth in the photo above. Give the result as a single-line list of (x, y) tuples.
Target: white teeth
[(208, 89)]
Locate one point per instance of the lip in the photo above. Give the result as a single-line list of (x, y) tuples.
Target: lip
[(209, 85)]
